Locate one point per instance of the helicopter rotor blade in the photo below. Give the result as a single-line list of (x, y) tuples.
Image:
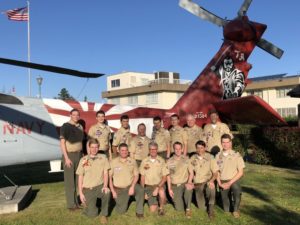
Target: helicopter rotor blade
[(244, 7), (270, 48), (201, 12), (54, 69)]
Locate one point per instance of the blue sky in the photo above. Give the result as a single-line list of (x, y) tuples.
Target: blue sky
[(134, 35)]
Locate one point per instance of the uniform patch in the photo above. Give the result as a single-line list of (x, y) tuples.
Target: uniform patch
[(98, 133), (86, 162), (117, 169), (147, 166)]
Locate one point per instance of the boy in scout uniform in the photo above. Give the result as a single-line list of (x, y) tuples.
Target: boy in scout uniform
[(161, 136), (179, 189), (71, 137), (154, 173), (205, 172), (139, 145), (213, 132), (178, 134), (101, 132), (194, 134), (122, 135), (123, 179), (92, 174), (231, 169)]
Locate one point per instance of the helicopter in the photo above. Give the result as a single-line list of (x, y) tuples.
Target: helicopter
[(30, 126)]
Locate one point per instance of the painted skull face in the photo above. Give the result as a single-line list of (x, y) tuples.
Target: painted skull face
[(228, 64)]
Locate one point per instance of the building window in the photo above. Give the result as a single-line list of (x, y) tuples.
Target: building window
[(258, 93), (133, 100), (152, 98), (115, 101), (282, 92), (115, 83), (286, 112)]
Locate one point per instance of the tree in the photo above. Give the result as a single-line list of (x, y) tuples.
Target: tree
[(64, 95), (85, 98)]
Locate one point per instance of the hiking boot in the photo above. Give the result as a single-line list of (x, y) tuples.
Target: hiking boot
[(161, 212), (103, 220), (236, 214), (211, 213), (139, 216), (75, 208), (188, 213)]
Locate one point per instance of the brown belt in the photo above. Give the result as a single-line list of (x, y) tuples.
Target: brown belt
[(199, 184), (177, 185), (119, 189), (151, 186), (90, 188)]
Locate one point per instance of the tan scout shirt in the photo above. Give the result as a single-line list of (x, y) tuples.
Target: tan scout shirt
[(203, 167), (179, 169), (194, 134), (177, 134), (230, 164), (92, 170), (139, 147), (121, 136), (73, 134), (153, 170), (162, 138), (102, 134), (123, 171), (212, 136)]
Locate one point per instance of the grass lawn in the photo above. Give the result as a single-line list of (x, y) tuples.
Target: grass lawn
[(271, 195)]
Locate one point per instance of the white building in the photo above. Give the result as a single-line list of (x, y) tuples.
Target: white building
[(273, 90), (156, 90)]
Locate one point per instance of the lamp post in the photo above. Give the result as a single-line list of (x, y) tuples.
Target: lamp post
[(39, 80)]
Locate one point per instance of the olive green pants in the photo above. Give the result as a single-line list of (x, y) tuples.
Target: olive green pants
[(123, 199), (138, 162), (182, 197), (152, 200), (91, 196), (163, 154), (235, 191), (203, 193), (70, 179)]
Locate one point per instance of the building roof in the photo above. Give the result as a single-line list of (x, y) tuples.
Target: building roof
[(273, 81)]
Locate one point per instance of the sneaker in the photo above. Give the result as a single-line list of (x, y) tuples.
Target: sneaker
[(236, 214), (103, 220), (161, 212), (188, 214), (139, 216)]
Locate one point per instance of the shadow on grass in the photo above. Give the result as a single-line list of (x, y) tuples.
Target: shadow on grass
[(256, 194), (272, 213), (34, 193), (29, 174)]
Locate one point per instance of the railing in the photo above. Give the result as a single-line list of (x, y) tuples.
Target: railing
[(168, 81)]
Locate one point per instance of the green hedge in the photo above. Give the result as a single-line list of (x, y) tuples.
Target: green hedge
[(279, 146)]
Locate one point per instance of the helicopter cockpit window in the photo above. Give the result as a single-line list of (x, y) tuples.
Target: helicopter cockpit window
[(8, 99)]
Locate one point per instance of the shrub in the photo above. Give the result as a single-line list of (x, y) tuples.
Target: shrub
[(282, 143)]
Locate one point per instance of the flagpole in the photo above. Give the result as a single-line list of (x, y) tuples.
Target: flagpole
[(28, 50)]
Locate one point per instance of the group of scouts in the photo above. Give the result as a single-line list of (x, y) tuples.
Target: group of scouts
[(172, 163)]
